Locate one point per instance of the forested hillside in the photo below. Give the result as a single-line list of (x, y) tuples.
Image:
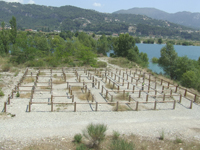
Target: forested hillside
[(31, 16)]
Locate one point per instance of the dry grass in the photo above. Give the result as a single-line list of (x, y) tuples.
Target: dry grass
[(29, 80), (122, 62), (76, 88), (27, 95), (141, 143), (85, 96), (2, 85), (121, 108), (58, 82), (45, 87), (42, 73), (110, 86), (122, 96)]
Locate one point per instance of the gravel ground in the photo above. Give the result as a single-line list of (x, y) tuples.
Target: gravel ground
[(41, 123)]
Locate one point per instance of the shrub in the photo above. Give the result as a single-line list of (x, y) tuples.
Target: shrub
[(95, 133), (6, 67), (162, 135), (18, 95), (115, 135), (101, 64), (178, 140), (81, 147), (121, 144), (154, 60), (78, 138), (1, 93)]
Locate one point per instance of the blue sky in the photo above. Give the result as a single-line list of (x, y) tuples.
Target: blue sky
[(110, 6)]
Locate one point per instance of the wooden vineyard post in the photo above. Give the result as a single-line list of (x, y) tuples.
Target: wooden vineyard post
[(118, 89), (96, 106), (174, 106), (123, 82), (176, 89), (117, 105), (129, 99), (155, 105), (99, 85), (163, 87), (51, 103), (191, 103), (147, 98), (168, 85), (102, 90), (171, 93), (72, 98), (139, 93), (106, 94), (128, 86), (8, 99), (155, 92), (133, 88), (137, 105), (161, 81), (29, 106), (123, 93), (164, 97), (180, 98), (74, 106), (195, 97), (5, 104), (185, 93)]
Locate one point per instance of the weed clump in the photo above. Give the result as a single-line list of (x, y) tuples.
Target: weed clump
[(1, 93), (95, 133), (78, 138), (120, 144)]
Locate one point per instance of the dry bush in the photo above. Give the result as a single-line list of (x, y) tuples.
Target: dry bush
[(27, 95), (45, 87), (29, 80), (42, 73), (2, 85), (110, 86), (58, 82), (85, 96), (121, 108), (76, 88), (122, 96)]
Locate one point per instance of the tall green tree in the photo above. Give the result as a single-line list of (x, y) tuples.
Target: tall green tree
[(123, 44), (102, 45), (168, 60), (13, 31), (4, 37)]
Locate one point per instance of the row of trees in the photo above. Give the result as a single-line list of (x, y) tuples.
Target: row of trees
[(182, 69), (39, 49)]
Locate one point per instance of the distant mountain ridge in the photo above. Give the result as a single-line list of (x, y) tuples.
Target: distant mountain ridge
[(183, 18)]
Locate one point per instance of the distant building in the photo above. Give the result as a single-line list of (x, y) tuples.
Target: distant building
[(114, 34), (28, 30)]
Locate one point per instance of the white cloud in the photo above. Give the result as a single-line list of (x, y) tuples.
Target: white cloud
[(31, 2), (19, 1), (97, 4)]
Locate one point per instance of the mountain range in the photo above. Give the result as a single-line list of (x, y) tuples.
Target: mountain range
[(183, 18), (48, 18)]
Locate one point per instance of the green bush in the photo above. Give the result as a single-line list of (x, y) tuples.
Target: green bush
[(95, 133), (6, 67), (18, 95), (1, 93), (115, 135), (101, 64), (121, 144), (81, 147), (154, 60), (78, 138)]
